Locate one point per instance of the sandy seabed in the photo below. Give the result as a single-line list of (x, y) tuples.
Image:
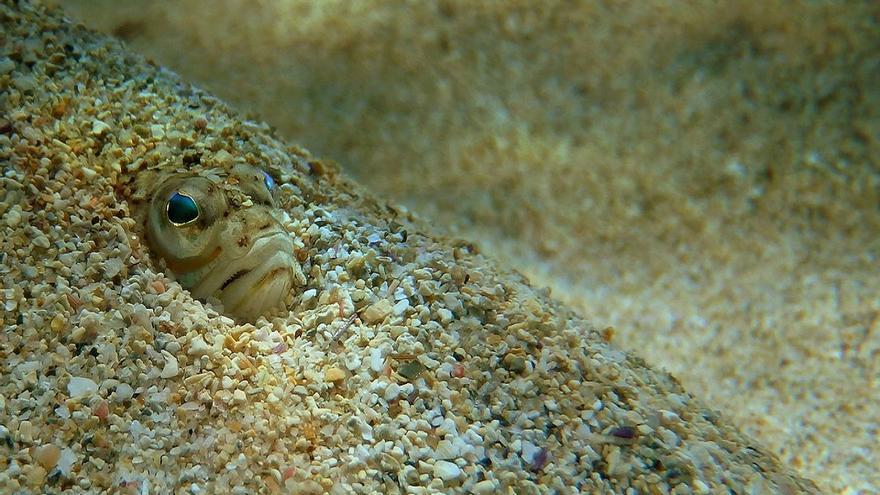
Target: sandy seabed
[(700, 180)]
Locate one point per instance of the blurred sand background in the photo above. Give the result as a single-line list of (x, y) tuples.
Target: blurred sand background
[(701, 176)]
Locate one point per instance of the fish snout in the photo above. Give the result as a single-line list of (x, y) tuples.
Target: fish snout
[(259, 280)]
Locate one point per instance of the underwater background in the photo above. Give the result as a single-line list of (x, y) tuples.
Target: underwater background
[(699, 178)]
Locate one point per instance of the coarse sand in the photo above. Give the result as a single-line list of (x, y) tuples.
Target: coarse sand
[(405, 362), (702, 178)]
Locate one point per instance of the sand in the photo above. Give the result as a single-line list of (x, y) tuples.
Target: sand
[(702, 177), (717, 214)]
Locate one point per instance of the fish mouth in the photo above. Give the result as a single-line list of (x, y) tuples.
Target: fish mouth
[(258, 281)]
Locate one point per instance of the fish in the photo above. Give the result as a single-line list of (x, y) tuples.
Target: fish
[(220, 233)]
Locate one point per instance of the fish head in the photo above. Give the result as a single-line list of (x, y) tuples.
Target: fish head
[(220, 234)]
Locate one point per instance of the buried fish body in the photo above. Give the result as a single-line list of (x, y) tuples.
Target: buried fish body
[(220, 234)]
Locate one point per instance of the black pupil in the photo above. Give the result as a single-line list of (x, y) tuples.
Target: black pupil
[(182, 209)]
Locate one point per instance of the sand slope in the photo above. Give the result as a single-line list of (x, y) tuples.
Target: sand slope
[(704, 178)]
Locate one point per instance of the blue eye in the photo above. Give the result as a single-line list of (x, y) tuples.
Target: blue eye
[(268, 180), (181, 209)]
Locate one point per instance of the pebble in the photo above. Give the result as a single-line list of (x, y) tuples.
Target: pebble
[(47, 455), (485, 487), (26, 431), (227, 383), (13, 217), (102, 410), (99, 127), (445, 315), (6, 65), (377, 312), (81, 387), (124, 392), (334, 375), (377, 360), (447, 471), (391, 392), (171, 368), (36, 476), (198, 347)]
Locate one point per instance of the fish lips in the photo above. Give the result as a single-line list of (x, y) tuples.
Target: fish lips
[(258, 281)]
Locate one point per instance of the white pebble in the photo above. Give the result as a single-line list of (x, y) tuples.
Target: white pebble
[(124, 392), (309, 295), (171, 367), (13, 216), (198, 347), (391, 392), (445, 317), (377, 360), (447, 471), (81, 387), (401, 307), (66, 461), (485, 487), (99, 127)]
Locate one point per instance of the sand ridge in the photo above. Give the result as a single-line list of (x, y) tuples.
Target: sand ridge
[(410, 363), (700, 176)]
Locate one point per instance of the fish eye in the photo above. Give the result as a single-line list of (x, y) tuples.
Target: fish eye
[(181, 209), (268, 181)]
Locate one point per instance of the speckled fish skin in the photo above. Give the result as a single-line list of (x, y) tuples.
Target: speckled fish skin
[(236, 250)]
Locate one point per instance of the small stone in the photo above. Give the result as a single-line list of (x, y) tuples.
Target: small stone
[(58, 323), (81, 387), (377, 360), (457, 370), (239, 396), (26, 431), (485, 487), (13, 217), (625, 432), (99, 127), (198, 347), (36, 476), (391, 392), (124, 392), (309, 295), (6, 65), (377, 311), (32, 134), (102, 410), (47, 455), (334, 375), (63, 412), (514, 363), (445, 315), (401, 307), (171, 366), (411, 370), (447, 471), (41, 241), (700, 487), (65, 463)]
